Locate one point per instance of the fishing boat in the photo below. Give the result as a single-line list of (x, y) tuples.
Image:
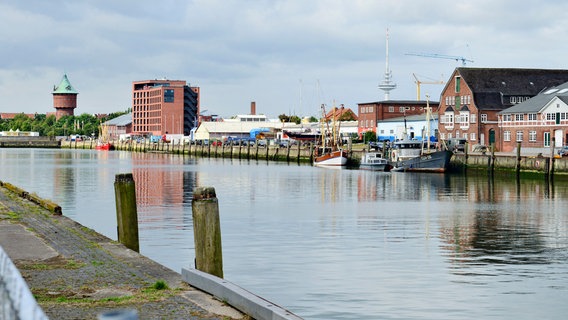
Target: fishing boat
[(374, 161), (414, 155), (103, 142), (330, 153)]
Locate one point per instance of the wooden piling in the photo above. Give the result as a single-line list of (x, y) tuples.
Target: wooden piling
[(518, 164), (207, 231), (126, 213)]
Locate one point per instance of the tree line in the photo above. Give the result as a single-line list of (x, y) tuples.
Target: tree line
[(83, 125)]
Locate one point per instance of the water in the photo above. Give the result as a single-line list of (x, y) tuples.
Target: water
[(334, 244)]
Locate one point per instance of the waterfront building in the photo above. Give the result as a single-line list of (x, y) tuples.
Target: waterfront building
[(164, 106), (473, 97), (537, 124), (371, 113), (412, 126), (64, 98), (119, 126)]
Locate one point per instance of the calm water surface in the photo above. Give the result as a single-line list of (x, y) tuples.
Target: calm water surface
[(334, 244)]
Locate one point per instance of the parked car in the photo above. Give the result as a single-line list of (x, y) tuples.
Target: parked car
[(261, 143), (563, 152), (375, 145)]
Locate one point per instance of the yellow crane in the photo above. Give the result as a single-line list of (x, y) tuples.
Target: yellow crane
[(419, 82)]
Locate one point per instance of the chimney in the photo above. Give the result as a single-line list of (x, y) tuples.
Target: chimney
[(253, 108)]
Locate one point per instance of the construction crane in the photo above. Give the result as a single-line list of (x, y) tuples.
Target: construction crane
[(419, 82), (440, 56)]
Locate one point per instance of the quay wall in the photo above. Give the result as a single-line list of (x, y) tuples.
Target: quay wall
[(29, 142), (304, 154)]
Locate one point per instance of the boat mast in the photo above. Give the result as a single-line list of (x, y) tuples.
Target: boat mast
[(428, 116)]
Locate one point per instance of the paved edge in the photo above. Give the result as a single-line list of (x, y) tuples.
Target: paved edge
[(236, 296)]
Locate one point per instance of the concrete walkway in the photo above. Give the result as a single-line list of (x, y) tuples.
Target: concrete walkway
[(76, 273)]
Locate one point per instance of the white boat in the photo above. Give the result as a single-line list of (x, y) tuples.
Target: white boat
[(328, 157), (374, 161), (329, 153)]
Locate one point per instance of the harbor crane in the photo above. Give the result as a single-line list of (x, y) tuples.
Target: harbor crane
[(440, 56), (419, 82)]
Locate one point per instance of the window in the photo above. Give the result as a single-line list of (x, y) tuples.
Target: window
[(550, 116), (532, 116), (506, 117), (442, 136), (449, 135), (464, 135), (532, 136), (458, 80), (519, 136), (391, 131), (547, 139), (391, 109), (472, 136), (401, 109), (472, 118), (507, 136), (168, 95), (519, 117), (483, 117), (465, 118), (449, 118)]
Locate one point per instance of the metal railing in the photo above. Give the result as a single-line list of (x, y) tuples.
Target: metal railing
[(16, 299)]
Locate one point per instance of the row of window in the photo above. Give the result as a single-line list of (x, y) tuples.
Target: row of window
[(371, 109), (534, 116), (458, 100), (471, 136), (465, 117), (519, 136)]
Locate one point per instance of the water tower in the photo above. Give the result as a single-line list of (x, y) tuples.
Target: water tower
[(64, 98)]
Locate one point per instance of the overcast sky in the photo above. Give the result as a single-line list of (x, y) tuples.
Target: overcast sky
[(288, 56)]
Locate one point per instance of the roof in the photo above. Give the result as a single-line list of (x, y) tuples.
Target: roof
[(337, 113), (492, 86), (538, 102), (64, 87), (120, 121), (405, 102)]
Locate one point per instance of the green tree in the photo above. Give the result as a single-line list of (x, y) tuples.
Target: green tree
[(295, 119)]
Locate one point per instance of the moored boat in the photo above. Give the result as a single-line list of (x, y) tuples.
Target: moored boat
[(104, 146), (329, 153), (303, 136), (374, 161), (414, 155), (328, 157)]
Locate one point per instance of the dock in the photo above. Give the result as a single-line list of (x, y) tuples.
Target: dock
[(75, 273)]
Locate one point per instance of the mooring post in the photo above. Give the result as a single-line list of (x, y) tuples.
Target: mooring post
[(207, 231), (126, 213), (518, 165), (551, 160)]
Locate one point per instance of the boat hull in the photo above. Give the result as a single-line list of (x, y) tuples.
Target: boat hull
[(336, 158), (376, 167), (104, 146), (375, 162), (303, 136), (437, 161)]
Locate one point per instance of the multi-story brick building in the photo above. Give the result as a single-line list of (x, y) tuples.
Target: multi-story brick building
[(372, 112), (473, 97), (536, 123), (164, 106)]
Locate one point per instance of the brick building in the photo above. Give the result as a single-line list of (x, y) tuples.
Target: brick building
[(473, 97), (372, 112), (164, 106), (64, 98), (536, 123)]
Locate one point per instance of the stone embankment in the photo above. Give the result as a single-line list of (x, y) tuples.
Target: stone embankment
[(76, 273)]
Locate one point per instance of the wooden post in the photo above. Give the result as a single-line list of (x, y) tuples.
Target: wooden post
[(299, 149), (126, 214), (207, 231), (551, 160), (492, 161), (518, 165)]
